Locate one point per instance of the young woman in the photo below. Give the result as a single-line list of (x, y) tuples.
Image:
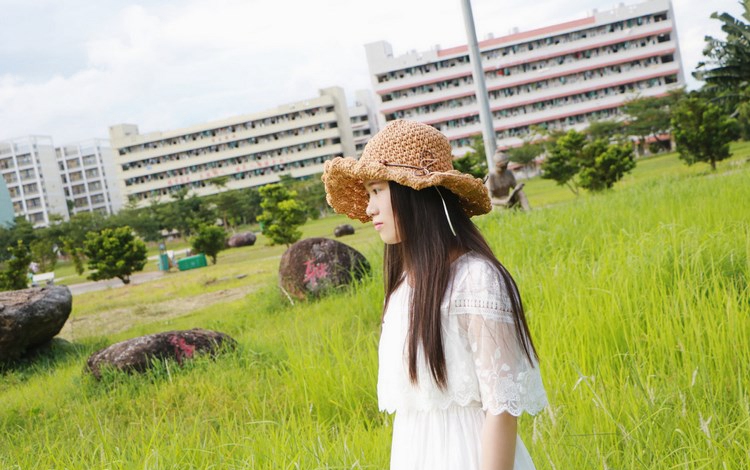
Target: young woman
[(456, 360)]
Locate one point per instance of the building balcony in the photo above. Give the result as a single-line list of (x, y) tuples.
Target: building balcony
[(549, 94), (549, 73), (231, 170), (554, 113), (212, 157), (206, 142)]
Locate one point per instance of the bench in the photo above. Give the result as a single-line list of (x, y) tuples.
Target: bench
[(43, 278)]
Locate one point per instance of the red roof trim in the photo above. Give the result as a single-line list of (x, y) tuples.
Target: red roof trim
[(437, 79), (520, 36)]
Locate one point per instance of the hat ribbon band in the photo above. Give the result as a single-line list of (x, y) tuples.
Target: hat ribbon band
[(422, 170)]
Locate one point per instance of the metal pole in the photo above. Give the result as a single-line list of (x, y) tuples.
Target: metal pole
[(485, 117)]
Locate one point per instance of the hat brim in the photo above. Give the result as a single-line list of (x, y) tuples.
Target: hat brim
[(344, 179)]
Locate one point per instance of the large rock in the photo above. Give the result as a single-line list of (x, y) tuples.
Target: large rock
[(315, 265), (31, 317), (137, 354), (342, 230), (241, 239)]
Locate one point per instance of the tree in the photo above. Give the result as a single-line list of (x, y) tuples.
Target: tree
[(81, 224), (15, 274), (20, 229), (43, 252), (249, 205), (650, 116), (608, 130), (116, 253), (187, 213), (743, 118), (310, 192), (474, 162), (702, 131), (76, 254), (727, 64), (593, 165), (525, 154), (146, 221), (223, 200), (604, 164), (282, 214), (210, 240), (563, 162)]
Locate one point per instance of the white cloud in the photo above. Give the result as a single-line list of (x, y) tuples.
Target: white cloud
[(165, 65)]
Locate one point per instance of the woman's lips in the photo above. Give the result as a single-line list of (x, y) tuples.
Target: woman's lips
[(378, 225)]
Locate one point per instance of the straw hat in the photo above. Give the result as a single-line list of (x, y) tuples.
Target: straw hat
[(411, 154)]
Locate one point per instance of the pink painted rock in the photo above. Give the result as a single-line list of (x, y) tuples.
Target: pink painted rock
[(137, 354), (316, 265), (31, 317)]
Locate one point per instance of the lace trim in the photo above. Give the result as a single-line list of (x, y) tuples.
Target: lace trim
[(515, 409), (514, 395), (494, 308)]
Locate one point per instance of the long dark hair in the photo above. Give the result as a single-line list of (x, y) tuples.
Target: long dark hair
[(425, 252)]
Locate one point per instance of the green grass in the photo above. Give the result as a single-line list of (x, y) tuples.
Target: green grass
[(543, 192), (638, 301)]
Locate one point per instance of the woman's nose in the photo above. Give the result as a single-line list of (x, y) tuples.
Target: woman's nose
[(371, 209)]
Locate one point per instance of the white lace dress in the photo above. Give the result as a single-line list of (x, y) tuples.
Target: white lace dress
[(487, 371)]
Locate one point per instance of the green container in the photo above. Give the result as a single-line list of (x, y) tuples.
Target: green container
[(163, 262), (192, 262)]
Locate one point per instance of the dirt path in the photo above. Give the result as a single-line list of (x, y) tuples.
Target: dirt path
[(137, 278), (120, 319)]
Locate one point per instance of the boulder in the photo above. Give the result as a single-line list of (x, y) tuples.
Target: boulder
[(31, 317), (315, 265), (342, 230), (241, 239), (137, 354)]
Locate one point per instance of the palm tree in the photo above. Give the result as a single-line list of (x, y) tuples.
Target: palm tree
[(727, 64)]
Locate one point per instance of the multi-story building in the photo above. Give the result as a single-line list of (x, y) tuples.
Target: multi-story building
[(250, 150), (29, 169), (87, 170), (555, 77), (364, 120)]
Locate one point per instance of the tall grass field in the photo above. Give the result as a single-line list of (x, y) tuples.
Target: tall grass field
[(637, 299)]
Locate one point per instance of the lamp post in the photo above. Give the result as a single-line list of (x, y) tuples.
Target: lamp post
[(485, 116)]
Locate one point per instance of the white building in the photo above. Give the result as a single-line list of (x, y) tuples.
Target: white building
[(364, 120), (87, 170), (555, 77), (29, 168), (251, 150)]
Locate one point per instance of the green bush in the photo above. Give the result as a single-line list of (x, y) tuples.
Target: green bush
[(210, 240), (114, 252)]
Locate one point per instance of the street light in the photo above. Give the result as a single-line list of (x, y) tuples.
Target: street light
[(485, 117)]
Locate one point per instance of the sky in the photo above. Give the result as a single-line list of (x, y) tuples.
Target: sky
[(72, 69)]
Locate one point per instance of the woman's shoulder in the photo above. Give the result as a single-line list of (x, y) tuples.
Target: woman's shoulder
[(474, 272), (478, 288)]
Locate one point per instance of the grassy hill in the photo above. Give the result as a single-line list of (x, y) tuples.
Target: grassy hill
[(638, 301)]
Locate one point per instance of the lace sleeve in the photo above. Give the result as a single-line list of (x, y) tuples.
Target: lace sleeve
[(508, 382)]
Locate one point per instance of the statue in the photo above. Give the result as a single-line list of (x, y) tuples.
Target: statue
[(501, 181)]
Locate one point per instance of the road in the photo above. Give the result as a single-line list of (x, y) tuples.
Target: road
[(137, 278)]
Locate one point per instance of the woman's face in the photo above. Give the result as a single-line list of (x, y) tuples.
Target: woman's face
[(379, 208)]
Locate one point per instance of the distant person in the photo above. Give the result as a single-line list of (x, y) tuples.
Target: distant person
[(456, 360), (502, 181)]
